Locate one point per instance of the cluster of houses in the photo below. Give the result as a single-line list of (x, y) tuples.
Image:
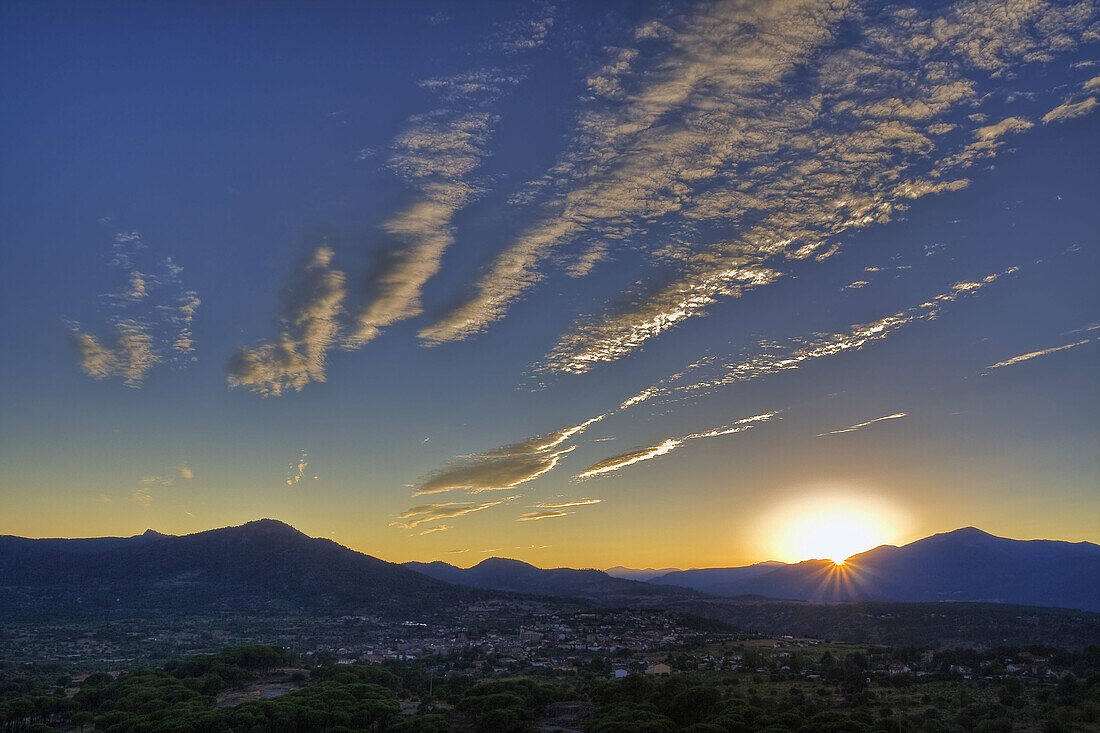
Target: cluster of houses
[(547, 641)]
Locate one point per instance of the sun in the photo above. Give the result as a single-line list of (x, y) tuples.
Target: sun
[(831, 527)]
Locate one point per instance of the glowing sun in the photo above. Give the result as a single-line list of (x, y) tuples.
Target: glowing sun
[(831, 527)]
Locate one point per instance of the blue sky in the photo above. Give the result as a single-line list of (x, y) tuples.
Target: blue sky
[(582, 283)]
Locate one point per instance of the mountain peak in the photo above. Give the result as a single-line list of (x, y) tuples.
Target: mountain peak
[(262, 528), (270, 524), (969, 532), (970, 535), (503, 562), (151, 533)]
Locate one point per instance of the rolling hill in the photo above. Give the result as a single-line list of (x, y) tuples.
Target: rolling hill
[(502, 574)]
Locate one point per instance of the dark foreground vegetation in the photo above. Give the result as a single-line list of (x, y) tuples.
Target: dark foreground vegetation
[(818, 690)]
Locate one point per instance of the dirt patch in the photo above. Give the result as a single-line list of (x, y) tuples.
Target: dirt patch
[(261, 689)]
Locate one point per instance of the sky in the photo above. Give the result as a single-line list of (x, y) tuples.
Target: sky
[(583, 284)]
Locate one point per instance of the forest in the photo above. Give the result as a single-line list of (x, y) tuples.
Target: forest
[(194, 694)]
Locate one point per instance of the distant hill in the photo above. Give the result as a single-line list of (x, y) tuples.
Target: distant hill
[(638, 574), (502, 574), (964, 565), (263, 565)]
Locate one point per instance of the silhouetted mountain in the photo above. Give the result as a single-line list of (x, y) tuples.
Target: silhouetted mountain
[(638, 574), (499, 573), (268, 566), (262, 565), (14, 546), (964, 565), (715, 581)]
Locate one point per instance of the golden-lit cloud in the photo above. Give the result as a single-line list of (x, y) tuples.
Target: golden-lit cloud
[(775, 358), (861, 425), (511, 465), (1007, 126), (529, 32), (185, 471), (553, 510), (436, 153), (707, 147), (642, 396), (1069, 111), (1036, 354), (129, 357), (436, 528), (308, 330), (568, 504), (150, 315), (417, 515), (618, 462), (505, 467), (541, 514), (298, 470)]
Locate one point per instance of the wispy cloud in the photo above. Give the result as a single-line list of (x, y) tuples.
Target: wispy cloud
[(1069, 111), (149, 315), (417, 515), (541, 514), (508, 466), (298, 470), (861, 425), (437, 154), (1036, 354), (554, 510), (709, 124), (568, 504), (185, 471), (308, 330), (621, 461), (130, 356), (505, 467), (436, 528), (529, 32), (775, 358), (143, 494)]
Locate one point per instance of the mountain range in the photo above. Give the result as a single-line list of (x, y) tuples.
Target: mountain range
[(642, 574), (269, 566), (264, 565), (964, 565)]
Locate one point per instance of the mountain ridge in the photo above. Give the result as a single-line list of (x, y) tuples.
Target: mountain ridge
[(516, 576), (967, 564), (268, 564), (260, 565)]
